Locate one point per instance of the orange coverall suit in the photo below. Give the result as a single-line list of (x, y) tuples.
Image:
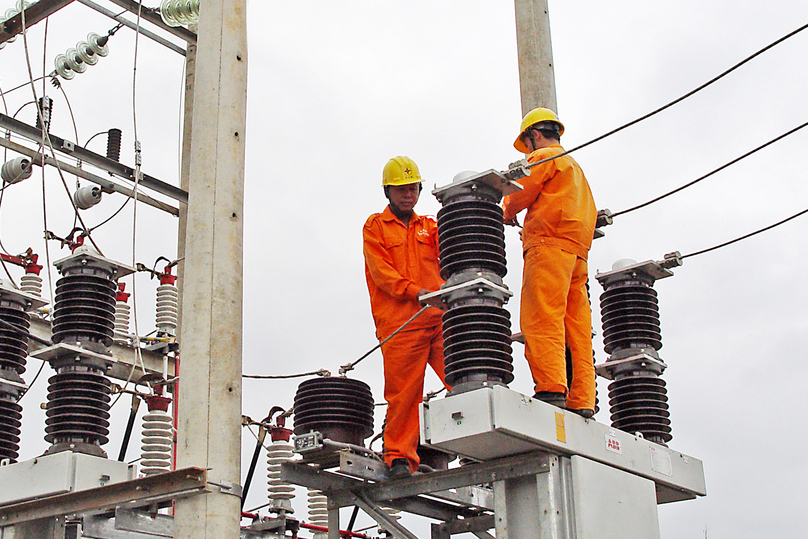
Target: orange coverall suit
[(557, 235), (399, 262)]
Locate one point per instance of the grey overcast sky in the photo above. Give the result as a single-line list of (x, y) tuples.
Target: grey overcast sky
[(337, 88)]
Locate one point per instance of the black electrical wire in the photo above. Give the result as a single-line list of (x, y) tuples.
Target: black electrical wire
[(787, 219), (722, 167), (677, 100), (321, 372)]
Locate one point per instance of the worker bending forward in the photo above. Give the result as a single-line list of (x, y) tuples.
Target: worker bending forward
[(557, 235), (401, 264)]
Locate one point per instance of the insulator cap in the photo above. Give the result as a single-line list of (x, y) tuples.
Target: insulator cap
[(339, 408), (630, 316)]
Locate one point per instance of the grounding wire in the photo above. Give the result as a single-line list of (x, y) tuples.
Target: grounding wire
[(46, 134), (108, 219), (136, 343), (764, 229), (722, 167), (350, 366), (675, 101), (321, 372)]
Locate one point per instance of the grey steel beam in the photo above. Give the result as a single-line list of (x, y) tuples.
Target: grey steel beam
[(107, 185), (153, 17), (124, 358), (129, 24), (33, 14), (138, 492), (69, 148)]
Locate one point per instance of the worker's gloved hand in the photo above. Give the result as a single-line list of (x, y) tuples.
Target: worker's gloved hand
[(513, 221), (436, 301)]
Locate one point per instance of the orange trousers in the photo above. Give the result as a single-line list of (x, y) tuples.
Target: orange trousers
[(554, 312), (405, 359)]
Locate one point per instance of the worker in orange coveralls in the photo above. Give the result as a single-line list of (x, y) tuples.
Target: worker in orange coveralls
[(401, 264), (557, 234)]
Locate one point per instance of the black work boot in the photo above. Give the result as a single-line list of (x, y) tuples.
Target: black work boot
[(399, 468), (586, 413), (551, 397)]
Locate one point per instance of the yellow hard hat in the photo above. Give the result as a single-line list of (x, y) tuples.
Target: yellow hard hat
[(537, 115), (401, 170)]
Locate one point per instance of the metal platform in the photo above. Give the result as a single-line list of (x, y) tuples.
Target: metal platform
[(493, 422)]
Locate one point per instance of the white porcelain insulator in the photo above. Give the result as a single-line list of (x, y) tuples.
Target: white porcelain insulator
[(179, 12), (156, 445), (31, 283), (279, 492), (168, 308), (318, 507), (122, 310)]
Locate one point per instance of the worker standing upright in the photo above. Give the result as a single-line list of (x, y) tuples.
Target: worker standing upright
[(401, 264), (557, 234)]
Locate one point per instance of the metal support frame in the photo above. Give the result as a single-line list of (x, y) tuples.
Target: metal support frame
[(153, 17), (129, 24), (424, 495), (106, 185), (33, 14), (153, 490), (69, 148)]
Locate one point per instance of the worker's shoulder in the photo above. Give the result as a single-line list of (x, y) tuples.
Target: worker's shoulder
[(375, 219)]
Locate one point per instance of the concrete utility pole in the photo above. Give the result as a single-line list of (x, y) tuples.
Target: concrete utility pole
[(211, 335), (536, 75)]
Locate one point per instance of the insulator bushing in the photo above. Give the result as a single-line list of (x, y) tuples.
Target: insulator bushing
[(83, 330), (477, 344), (630, 316), (114, 144), (631, 336), (78, 409), (157, 441), (280, 492), (471, 237), (341, 409), (168, 309), (13, 344), (10, 428), (13, 353), (45, 109), (640, 404), (84, 307)]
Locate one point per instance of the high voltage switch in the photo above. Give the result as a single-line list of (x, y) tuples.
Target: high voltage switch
[(631, 336), (476, 328)]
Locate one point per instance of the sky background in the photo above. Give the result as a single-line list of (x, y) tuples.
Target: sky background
[(336, 89)]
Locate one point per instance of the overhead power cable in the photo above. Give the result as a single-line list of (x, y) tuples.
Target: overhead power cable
[(722, 167), (677, 100), (746, 236)]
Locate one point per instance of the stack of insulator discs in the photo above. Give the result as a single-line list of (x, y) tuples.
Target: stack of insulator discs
[(476, 328), (13, 351), (637, 397), (341, 409), (477, 344), (84, 309), (78, 408), (630, 315), (471, 236)]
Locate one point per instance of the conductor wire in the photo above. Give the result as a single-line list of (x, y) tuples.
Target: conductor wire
[(722, 167), (675, 101), (787, 219)]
